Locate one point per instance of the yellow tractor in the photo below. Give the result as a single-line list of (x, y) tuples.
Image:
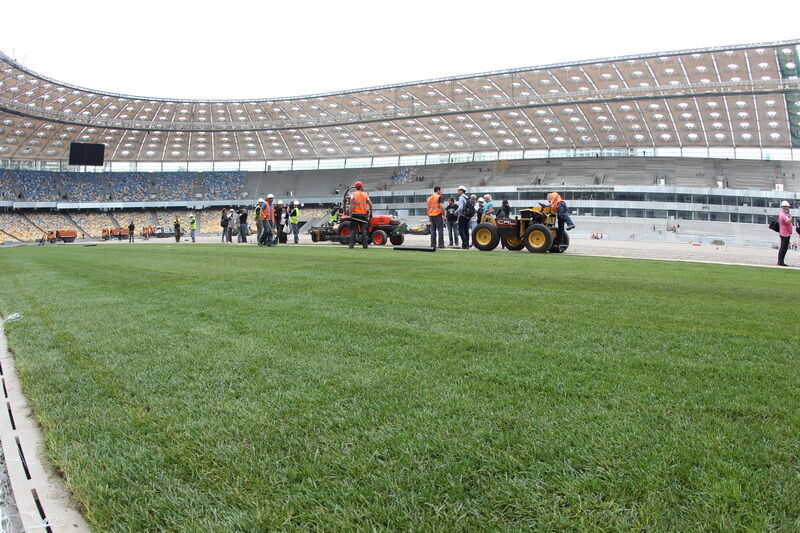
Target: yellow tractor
[(535, 228)]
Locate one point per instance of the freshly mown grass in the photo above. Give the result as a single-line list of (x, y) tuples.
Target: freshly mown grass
[(214, 388)]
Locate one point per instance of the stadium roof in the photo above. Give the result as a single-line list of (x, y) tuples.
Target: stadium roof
[(735, 96)]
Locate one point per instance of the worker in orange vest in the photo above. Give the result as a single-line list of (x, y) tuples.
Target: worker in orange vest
[(360, 209), (267, 216), (558, 205), (435, 212)]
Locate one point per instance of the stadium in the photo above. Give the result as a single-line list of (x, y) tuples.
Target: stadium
[(219, 388)]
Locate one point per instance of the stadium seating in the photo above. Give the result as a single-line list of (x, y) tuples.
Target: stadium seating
[(6, 186), (222, 185), (128, 186), (140, 219), (92, 223), (20, 227), (51, 221), (172, 186), (83, 187), (35, 186)]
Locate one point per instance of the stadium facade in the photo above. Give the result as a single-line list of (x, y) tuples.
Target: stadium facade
[(712, 132)]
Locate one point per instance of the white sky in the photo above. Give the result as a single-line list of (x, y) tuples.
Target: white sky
[(252, 49)]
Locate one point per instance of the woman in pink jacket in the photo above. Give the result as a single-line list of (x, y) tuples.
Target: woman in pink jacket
[(785, 231)]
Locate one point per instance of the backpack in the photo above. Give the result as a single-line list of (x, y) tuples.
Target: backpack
[(224, 222), (773, 224), (469, 209)]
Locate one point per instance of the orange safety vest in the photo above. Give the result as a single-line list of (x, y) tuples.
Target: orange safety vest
[(359, 205), (554, 198), (267, 211), (434, 207)]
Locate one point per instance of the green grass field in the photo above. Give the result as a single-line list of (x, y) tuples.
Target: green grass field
[(214, 388)]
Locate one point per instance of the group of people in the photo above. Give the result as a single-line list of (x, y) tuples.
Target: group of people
[(463, 215), (176, 225), (274, 221)]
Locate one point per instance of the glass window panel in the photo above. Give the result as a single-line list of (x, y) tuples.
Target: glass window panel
[(461, 158), (536, 154), (437, 159), (695, 152), (411, 160), (279, 165), (511, 154), (778, 154), (485, 156), (385, 161), (331, 163), (304, 164), (253, 165), (358, 162)]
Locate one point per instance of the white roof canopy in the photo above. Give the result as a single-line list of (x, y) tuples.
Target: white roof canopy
[(738, 96)]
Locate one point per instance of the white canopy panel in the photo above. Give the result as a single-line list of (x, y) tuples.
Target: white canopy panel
[(737, 96)]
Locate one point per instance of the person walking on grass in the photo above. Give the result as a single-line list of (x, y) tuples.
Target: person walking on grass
[(192, 226), (504, 212), (244, 229), (464, 212), (131, 229), (280, 218), (223, 223), (785, 232), (435, 212), (232, 221), (452, 222), (268, 219), (259, 223), (294, 221), (177, 227), (360, 208), (473, 221)]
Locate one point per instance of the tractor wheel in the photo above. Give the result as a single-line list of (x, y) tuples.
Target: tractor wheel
[(513, 243), (397, 239), (344, 232), (485, 237), (538, 238), (314, 236), (564, 245), (379, 237)]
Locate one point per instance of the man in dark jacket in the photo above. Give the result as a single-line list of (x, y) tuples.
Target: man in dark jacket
[(452, 221)]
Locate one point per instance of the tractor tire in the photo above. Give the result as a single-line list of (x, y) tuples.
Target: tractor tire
[(538, 238), (514, 243), (314, 236), (564, 245), (379, 237), (397, 239), (344, 232), (485, 237)]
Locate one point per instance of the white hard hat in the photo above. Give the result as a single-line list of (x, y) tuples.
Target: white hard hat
[(270, 196), (462, 188), (280, 202), (296, 202), (261, 200), (785, 204), (481, 199)]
